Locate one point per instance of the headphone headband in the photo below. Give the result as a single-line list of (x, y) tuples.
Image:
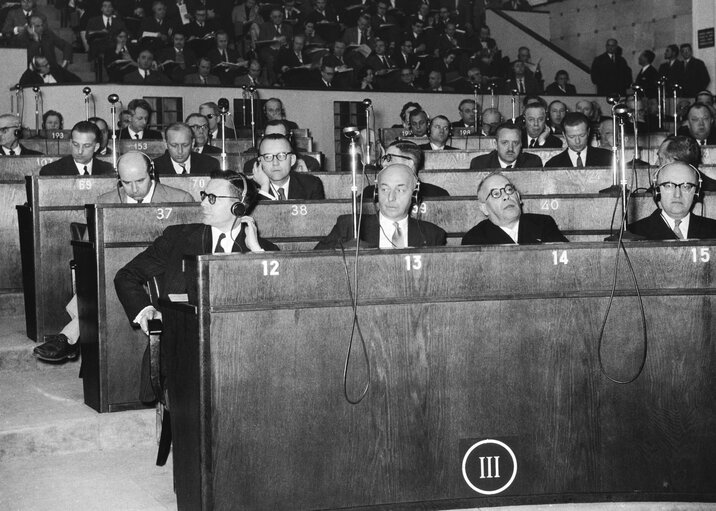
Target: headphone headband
[(147, 159), (657, 191)]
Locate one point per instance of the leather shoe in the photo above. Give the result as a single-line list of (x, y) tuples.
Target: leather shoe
[(56, 348)]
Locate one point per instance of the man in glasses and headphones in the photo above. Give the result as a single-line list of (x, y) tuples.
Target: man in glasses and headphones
[(135, 185), (500, 202), (677, 187), (10, 132), (392, 227), (273, 175)]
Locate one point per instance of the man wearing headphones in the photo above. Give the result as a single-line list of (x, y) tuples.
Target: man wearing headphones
[(83, 162), (438, 132), (391, 227), (304, 162), (135, 185), (10, 133), (226, 227), (677, 187), (500, 202), (179, 158)]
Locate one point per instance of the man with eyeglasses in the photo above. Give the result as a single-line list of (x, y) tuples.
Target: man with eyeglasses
[(10, 132), (199, 125), (304, 162), (500, 202), (273, 175), (392, 226), (179, 158), (676, 190)]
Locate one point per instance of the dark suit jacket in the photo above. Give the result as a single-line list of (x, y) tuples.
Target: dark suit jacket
[(45, 46), (610, 77), (533, 229), (30, 77), (532, 86), (16, 18), (654, 227), (673, 72), (148, 135), (596, 157), (420, 233), (428, 147), (195, 79), (302, 186), (696, 77), (201, 165), (554, 90), (210, 149), (551, 142), (65, 166), (490, 161), (24, 151), (647, 80), (154, 78)]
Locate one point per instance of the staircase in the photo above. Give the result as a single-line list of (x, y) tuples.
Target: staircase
[(80, 65)]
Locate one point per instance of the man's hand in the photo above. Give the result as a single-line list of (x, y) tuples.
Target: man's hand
[(252, 235), (260, 177), (147, 314), (543, 136)]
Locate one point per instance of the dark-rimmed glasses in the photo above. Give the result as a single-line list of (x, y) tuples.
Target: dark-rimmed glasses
[(496, 193), (669, 186), (387, 158), (268, 158), (212, 198)]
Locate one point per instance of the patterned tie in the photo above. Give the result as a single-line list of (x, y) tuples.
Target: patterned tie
[(397, 239), (218, 249), (281, 194), (580, 163), (677, 230), (136, 135), (12, 152)]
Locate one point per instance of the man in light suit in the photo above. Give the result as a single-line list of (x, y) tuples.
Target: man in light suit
[(500, 202), (179, 158), (578, 153), (10, 131), (135, 186), (86, 139), (676, 190), (508, 153), (392, 226)]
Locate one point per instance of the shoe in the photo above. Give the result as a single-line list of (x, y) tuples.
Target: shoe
[(56, 348)]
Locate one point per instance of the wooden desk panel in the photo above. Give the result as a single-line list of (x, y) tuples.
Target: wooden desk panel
[(475, 344)]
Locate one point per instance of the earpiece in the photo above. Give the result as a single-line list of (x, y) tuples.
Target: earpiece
[(416, 190), (656, 192), (239, 208), (18, 133), (150, 166)]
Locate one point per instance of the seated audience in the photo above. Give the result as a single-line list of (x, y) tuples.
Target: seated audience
[(253, 77), (499, 200), (146, 73), (86, 139), (10, 133), (391, 227), (117, 59), (578, 153), (509, 153), (467, 111), (179, 158), (40, 41), (685, 149), (211, 111), (52, 120), (438, 132)]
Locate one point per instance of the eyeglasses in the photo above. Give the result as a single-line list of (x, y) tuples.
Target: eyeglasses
[(387, 158), (212, 198), (268, 158), (5, 129), (496, 193), (668, 186), (199, 127)]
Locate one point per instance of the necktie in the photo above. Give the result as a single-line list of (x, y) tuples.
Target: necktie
[(702, 142), (533, 142), (136, 135), (84, 170), (509, 167), (183, 168), (218, 249), (203, 80), (281, 194), (139, 201), (521, 83), (382, 59), (12, 152), (580, 163), (397, 239), (677, 230)]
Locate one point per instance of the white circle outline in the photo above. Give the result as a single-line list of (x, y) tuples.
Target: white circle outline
[(475, 446)]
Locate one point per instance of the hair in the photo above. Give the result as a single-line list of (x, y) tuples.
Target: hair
[(558, 74), (279, 122), (696, 106), (413, 150), (531, 99), (536, 105), (409, 104), (507, 125), (95, 120), (178, 126), (139, 103), (488, 176), (203, 58), (444, 118), (212, 105), (221, 32), (417, 112), (650, 55), (274, 136), (686, 45), (555, 102), (234, 178), (283, 112), (674, 49), (88, 127), (56, 114), (683, 148), (196, 114), (465, 102), (488, 111), (573, 119)]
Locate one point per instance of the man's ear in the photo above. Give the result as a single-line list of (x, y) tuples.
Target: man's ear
[(293, 159), (483, 207)]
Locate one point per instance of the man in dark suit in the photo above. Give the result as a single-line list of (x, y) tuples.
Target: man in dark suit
[(158, 23), (381, 64), (610, 72), (41, 72), (696, 77), (179, 158), (304, 162), (673, 68), (199, 125), (10, 132), (404, 55), (438, 132), (144, 74), (203, 75), (41, 41), (135, 185), (536, 132), (699, 124), (525, 84), (561, 85), (137, 128), (467, 111), (392, 226), (273, 175), (17, 21), (676, 190), (177, 61), (578, 153), (86, 139), (647, 76), (225, 62), (499, 201), (211, 111), (508, 153)]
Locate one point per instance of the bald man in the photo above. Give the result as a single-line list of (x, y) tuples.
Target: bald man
[(676, 189), (391, 227)]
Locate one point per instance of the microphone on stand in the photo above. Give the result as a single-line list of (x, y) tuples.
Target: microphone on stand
[(87, 91), (253, 94), (113, 99), (223, 104)]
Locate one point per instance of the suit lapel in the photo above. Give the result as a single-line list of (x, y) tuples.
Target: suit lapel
[(370, 230)]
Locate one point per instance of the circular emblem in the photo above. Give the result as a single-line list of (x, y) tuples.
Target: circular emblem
[(489, 467)]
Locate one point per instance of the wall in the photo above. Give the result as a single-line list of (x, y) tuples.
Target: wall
[(14, 63), (582, 28), (704, 16)]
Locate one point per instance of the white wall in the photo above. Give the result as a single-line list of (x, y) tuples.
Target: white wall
[(704, 16), (14, 63)]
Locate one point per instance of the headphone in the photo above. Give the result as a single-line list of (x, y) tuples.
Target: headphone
[(150, 166), (240, 207), (656, 192), (416, 191), (430, 124)]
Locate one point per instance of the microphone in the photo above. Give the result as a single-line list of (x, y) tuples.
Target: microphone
[(661, 80), (223, 105), (620, 110), (368, 103), (86, 91), (252, 88), (351, 131), (515, 92), (113, 98), (613, 99), (637, 88), (35, 89)]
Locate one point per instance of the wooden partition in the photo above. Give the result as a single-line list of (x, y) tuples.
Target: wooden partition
[(483, 366), (111, 349)]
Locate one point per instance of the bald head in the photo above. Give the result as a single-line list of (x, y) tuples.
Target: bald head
[(133, 170), (395, 185)]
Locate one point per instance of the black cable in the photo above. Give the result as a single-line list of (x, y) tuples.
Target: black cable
[(620, 244)]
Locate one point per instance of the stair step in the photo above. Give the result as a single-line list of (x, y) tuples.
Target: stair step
[(12, 303)]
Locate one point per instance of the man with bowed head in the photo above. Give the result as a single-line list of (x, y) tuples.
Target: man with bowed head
[(499, 200), (392, 226), (509, 151)]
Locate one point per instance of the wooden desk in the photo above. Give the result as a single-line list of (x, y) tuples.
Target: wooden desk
[(465, 345)]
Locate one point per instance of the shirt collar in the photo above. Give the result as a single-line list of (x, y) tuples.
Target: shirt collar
[(387, 228), (503, 163), (573, 156), (512, 232), (80, 167), (683, 226), (147, 198), (274, 188), (132, 133), (228, 242), (187, 166)]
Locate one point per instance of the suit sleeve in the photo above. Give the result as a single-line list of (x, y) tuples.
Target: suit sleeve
[(551, 232), (317, 192), (337, 235)]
